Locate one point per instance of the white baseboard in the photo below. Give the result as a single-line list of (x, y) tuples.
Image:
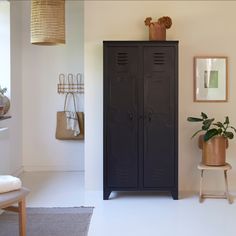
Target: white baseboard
[(18, 171), (29, 168)]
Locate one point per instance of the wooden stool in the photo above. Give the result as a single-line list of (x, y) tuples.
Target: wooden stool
[(225, 168), (10, 198)]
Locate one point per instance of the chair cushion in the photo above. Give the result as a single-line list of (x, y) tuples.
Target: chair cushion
[(9, 183), (6, 199)]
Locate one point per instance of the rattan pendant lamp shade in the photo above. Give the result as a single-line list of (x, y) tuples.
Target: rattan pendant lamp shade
[(47, 22)]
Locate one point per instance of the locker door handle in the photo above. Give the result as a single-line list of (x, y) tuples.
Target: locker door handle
[(131, 115), (150, 116)]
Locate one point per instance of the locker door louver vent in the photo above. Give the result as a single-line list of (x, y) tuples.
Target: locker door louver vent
[(122, 58), (158, 58)]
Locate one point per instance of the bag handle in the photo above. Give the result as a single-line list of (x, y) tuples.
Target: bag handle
[(73, 101)]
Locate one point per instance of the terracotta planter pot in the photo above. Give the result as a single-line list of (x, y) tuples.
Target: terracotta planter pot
[(5, 103), (157, 31), (213, 151)]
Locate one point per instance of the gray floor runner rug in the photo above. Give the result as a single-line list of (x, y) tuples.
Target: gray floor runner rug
[(72, 221)]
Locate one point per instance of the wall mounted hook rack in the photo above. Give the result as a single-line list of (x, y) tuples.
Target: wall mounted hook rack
[(70, 83)]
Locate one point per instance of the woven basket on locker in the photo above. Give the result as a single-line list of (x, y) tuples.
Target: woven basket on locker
[(47, 22)]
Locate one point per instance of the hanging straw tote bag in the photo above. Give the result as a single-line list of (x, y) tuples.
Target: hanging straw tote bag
[(62, 133)]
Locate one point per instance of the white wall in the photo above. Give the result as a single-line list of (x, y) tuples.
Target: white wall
[(41, 66), (4, 79), (5, 45), (202, 28), (11, 140)]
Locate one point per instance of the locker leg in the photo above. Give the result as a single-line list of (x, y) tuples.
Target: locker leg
[(106, 194), (175, 194)]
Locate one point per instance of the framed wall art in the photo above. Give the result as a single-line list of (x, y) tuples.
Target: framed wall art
[(210, 79)]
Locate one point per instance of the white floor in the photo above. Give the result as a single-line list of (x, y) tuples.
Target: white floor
[(127, 214)]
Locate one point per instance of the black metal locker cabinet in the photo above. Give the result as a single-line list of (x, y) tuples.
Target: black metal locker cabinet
[(140, 116)]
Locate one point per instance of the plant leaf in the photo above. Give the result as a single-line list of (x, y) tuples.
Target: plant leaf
[(226, 120), (210, 133), (2, 90), (207, 123), (233, 128), (196, 133), (219, 124), (194, 119), (203, 115), (229, 135)]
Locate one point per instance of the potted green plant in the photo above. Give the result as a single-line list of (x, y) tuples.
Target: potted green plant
[(214, 139), (4, 101)]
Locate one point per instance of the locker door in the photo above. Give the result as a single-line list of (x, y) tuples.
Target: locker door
[(159, 100), (121, 122)]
